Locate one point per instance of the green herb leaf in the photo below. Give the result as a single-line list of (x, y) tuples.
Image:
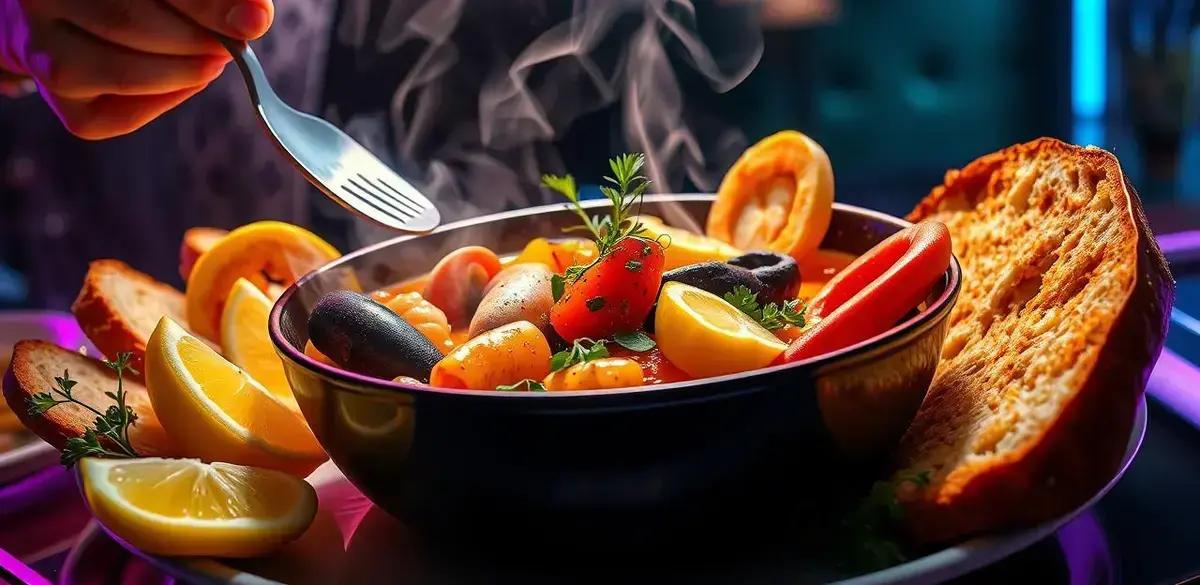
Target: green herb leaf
[(633, 265), (625, 190), (109, 434), (872, 531), (572, 273), (557, 286), (526, 385), (774, 317), (771, 316), (39, 403), (745, 301), (583, 350), (635, 341)]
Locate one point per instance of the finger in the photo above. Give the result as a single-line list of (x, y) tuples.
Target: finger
[(82, 66), (108, 116), (239, 19), (151, 27)]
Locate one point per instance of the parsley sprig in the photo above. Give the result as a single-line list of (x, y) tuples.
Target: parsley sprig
[(583, 350), (625, 191), (771, 315), (109, 434), (872, 529)]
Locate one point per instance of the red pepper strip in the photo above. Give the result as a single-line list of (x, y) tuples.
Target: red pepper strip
[(871, 294)]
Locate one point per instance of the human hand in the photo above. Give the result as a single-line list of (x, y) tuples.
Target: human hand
[(108, 67)]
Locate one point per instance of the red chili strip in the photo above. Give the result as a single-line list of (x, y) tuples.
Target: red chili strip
[(871, 294)]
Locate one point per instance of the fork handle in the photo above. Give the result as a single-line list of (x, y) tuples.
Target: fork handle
[(251, 68)]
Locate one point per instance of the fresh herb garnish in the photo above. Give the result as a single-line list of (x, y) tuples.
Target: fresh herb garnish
[(776, 317), (557, 286), (636, 341), (580, 352), (527, 385), (771, 316), (633, 265), (872, 529), (595, 304), (628, 187), (109, 434)]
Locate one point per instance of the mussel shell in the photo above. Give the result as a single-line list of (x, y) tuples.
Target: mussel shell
[(364, 336), (779, 274)]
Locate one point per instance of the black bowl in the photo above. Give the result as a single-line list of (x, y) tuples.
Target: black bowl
[(757, 446)]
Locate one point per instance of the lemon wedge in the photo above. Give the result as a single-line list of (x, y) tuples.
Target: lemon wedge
[(245, 342), (262, 252), (182, 507), (216, 412), (686, 247), (705, 336)]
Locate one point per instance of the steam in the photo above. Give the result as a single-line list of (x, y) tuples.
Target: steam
[(489, 89)]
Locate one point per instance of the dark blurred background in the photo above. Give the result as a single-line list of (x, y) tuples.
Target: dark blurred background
[(896, 91)]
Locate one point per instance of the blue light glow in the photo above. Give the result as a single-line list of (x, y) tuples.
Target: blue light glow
[(1088, 65)]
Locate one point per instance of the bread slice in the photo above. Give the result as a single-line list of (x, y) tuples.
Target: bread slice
[(197, 241), (33, 369), (119, 307), (1062, 314)]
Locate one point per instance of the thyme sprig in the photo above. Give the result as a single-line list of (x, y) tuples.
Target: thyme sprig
[(626, 188)]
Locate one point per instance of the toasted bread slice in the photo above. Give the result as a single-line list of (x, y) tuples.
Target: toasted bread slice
[(119, 307), (197, 241), (1062, 314), (34, 367)]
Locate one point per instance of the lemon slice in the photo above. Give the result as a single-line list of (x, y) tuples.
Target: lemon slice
[(216, 412), (686, 247), (261, 252), (245, 342), (705, 336), (182, 507)]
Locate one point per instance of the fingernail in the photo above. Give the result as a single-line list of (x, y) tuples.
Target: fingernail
[(249, 19)]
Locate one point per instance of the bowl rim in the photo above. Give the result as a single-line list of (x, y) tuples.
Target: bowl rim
[(353, 381)]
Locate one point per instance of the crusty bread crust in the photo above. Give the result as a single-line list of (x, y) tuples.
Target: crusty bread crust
[(34, 367), (1032, 404), (119, 307), (197, 241)]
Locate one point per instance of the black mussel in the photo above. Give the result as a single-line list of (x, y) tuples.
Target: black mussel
[(779, 273), (717, 278), (364, 336)]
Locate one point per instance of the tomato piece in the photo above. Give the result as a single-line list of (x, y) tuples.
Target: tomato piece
[(875, 291), (656, 368), (456, 284), (613, 296)]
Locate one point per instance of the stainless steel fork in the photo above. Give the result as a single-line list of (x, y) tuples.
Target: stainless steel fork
[(341, 168)]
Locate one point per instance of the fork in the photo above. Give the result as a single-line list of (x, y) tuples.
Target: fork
[(345, 171)]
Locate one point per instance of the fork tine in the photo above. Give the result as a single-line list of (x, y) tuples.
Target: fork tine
[(400, 193), (361, 199), (382, 198), (402, 199)]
